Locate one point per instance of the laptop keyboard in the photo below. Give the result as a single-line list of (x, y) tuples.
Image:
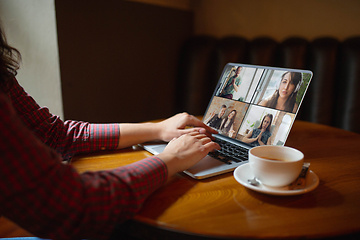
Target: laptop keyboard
[(229, 152)]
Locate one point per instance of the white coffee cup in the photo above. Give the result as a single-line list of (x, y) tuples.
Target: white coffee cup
[(275, 166)]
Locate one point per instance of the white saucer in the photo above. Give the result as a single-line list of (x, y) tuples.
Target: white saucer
[(243, 173)]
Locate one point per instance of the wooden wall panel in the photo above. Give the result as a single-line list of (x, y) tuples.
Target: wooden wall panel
[(118, 59)]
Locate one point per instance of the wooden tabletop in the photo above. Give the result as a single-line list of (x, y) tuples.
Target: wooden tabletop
[(221, 207)]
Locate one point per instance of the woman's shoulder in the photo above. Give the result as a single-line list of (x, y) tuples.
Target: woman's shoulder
[(256, 130), (268, 133), (264, 102)]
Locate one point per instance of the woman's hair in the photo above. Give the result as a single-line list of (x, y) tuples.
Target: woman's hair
[(262, 121), (290, 102), (9, 61), (227, 119)]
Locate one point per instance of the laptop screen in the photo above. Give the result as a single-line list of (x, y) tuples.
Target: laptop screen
[(255, 104)]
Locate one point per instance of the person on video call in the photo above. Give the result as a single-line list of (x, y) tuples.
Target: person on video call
[(227, 124), (232, 85), (284, 98), (261, 135), (215, 120), (51, 199)]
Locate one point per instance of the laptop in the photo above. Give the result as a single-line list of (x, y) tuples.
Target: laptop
[(251, 106)]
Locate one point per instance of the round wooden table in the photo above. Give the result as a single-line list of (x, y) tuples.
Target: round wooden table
[(222, 208), (219, 207)]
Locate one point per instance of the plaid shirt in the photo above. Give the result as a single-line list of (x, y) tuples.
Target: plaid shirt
[(52, 200)]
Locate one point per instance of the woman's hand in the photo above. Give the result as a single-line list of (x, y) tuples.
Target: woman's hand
[(134, 133), (182, 123), (183, 152), (231, 133)]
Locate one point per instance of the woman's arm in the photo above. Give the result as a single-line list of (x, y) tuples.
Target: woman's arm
[(248, 139), (67, 138), (134, 133), (268, 141), (71, 137), (231, 131), (236, 87), (52, 200), (261, 142)]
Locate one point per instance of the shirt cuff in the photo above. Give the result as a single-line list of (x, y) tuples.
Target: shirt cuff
[(104, 136)]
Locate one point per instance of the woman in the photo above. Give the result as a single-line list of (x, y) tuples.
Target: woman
[(227, 125), (51, 199), (261, 135), (284, 98), (232, 85)]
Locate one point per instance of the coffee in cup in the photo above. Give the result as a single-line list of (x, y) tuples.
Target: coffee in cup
[(275, 166)]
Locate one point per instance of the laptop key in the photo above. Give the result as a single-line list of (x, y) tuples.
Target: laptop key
[(229, 152), (217, 155)]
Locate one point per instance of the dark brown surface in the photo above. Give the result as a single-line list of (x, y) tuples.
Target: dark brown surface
[(118, 59), (221, 207)]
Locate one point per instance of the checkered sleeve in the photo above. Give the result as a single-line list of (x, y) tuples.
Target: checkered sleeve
[(67, 138), (52, 200), (104, 136)]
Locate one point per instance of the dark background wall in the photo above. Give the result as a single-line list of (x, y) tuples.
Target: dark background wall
[(118, 59)]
